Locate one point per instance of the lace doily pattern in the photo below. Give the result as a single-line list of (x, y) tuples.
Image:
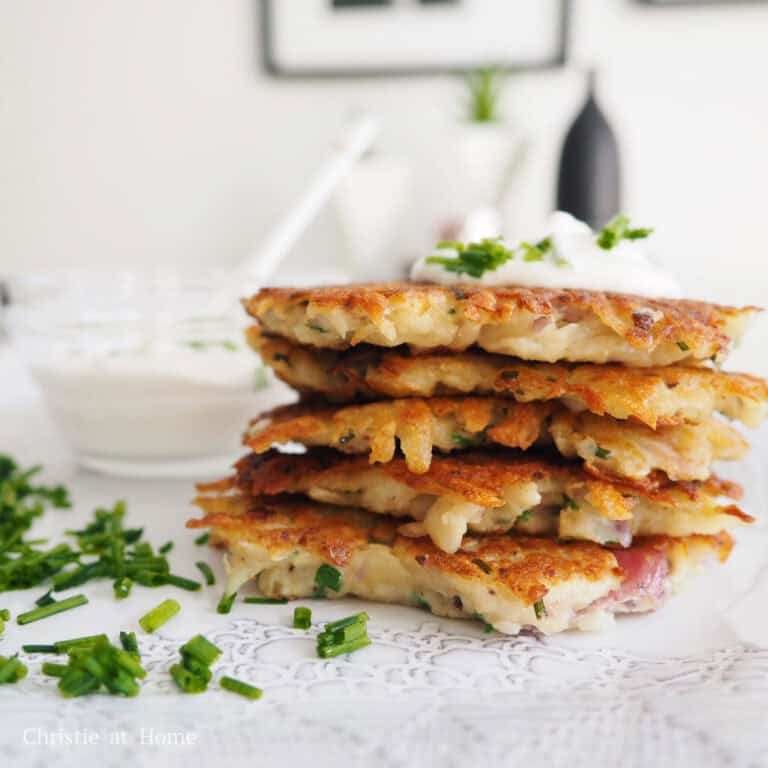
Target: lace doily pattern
[(423, 697)]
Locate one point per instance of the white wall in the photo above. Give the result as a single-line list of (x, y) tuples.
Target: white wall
[(138, 131)]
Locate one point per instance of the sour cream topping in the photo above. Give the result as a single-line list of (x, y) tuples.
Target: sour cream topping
[(574, 260)]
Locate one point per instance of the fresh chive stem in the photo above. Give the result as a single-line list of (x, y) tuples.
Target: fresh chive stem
[(265, 600), (86, 641), (302, 617), (239, 687), (122, 587), (54, 670), (43, 612), (32, 648), (46, 599), (226, 602), (205, 569), (129, 642), (356, 618), (182, 583), (158, 616), (202, 650), (329, 651)]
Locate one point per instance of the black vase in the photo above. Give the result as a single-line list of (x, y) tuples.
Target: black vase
[(589, 182)]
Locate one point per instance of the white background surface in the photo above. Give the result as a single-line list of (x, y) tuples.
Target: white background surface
[(686, 686), (133, 131)]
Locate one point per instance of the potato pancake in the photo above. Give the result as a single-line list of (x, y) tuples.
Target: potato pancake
[(510, 582), (491, 493), (652, 396), (533, 324), (419, 426)]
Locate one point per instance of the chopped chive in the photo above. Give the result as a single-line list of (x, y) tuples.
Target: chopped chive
[(602, 453), (205, 569), (78, 682), (327, 576), (87, 641), (203, 539), (201, 649), (129, 642), (539, 609), (348, 621), (166, 548), (302, 617), (523, 516), (329, 651), (344, 635), (54, 670), (50, 610), (683, 346), (569, 502), (237, 686), (225, 604), (482, 565), (46, 599), (318, 328), (182, 583), (122, 587), (188, 681), (34, 648), (130, 664), (12, 670), (5, 614), (159, 615), (266, 600)]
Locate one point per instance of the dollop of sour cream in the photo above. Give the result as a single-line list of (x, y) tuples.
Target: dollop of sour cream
[(575, 260)]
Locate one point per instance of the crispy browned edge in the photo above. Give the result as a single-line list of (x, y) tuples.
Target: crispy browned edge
[(628, 386), (477, 476), (683, 320), (527, 566)]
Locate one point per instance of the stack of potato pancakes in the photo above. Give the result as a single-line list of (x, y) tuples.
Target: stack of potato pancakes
[(531, 458)]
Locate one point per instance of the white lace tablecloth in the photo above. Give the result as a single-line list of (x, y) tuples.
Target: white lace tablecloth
[(685, 687)]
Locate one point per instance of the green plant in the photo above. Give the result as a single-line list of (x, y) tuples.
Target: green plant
[(484, 86)]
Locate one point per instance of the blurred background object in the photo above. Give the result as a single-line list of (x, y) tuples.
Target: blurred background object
[(589, 180), (144, 133)]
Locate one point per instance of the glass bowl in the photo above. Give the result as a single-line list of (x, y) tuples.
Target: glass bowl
[(144, 373)]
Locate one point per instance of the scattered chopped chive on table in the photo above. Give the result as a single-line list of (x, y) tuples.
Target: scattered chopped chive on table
[(329, 651), (226, 602), (122, 587), (46, 599), (54, 670), (203, 539), (237, 686), (166, 548), (129, 642), (39, 648), (302, 617), (12, 670), (201, 649), (265, 600), (158, 616), (205, 569), (182, 583), (343, 636), (86, 641), (44, 611)]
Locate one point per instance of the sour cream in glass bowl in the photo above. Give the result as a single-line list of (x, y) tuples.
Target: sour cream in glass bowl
[(145, 373)]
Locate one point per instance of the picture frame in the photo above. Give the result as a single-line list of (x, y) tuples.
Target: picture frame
[(390, 38)]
